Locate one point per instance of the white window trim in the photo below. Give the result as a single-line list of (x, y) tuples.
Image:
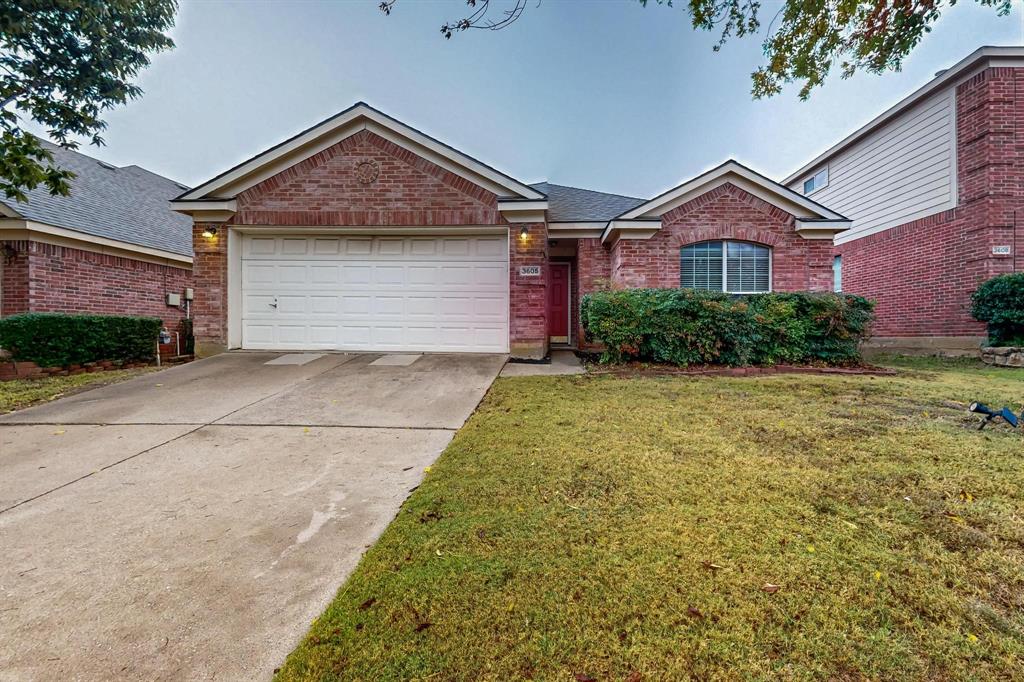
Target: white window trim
[(725, 266)]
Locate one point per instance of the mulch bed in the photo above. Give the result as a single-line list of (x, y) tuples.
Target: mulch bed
[(646, 369)]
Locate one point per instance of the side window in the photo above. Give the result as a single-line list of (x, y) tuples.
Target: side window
[(816, 181), (837, 274)]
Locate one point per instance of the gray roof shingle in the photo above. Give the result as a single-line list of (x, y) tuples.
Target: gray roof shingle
[(129, 204), (571, 204)]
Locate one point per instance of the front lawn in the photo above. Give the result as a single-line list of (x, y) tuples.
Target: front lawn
[(785, 527), (21, 393)]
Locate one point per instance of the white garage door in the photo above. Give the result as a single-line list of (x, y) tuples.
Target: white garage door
[(440, 293)]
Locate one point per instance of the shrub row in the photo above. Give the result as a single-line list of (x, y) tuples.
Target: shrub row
[(999, 303), (687, 327), (59, 340)]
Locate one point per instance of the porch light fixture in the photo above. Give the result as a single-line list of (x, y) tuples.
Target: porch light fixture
[(210, 232), (524, 233)]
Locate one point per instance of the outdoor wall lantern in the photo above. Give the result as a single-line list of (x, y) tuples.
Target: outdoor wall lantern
[(524, 233), (210, 232)]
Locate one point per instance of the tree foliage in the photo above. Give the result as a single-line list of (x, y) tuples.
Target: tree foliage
[(62, 64), (804, 40)]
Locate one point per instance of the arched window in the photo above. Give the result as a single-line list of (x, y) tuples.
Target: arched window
[(733, 267)]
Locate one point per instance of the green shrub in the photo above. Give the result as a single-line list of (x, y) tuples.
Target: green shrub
[(685, 327), (999, 303), (59, 340)]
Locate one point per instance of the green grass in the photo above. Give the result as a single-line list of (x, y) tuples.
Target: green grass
[(22, 393), (625, 529)]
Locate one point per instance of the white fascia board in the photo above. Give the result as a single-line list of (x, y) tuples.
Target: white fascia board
[(630, 229), (755, 183), (811, 224), (529, 205), (821, 229), (206, 211), (337, 128), (976, 61), (577, 230), (391, 230), (182, 206), (33, 231), (579, 225), (7, 211)]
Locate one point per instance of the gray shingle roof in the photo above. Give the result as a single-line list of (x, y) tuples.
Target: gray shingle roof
[(571, 204), (128, 204)]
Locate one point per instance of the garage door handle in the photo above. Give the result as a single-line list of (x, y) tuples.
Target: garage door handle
[(274, 304)]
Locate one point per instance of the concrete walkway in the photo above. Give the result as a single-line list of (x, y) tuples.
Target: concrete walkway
[(563, 362), (190, 524)]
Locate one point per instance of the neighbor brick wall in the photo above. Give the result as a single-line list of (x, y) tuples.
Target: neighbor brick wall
[(725, 212), (49, 278), (922, 273), (324, 190)]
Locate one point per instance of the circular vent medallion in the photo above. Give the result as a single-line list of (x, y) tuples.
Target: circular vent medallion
[(367, 171)]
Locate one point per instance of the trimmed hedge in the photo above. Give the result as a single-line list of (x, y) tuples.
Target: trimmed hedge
[(59, 340), (688, 327), (999, 302)]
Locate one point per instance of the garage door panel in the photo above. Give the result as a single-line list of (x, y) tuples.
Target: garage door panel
[(380, 293)]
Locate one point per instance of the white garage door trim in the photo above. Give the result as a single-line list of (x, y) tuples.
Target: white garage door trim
[(442, 290)]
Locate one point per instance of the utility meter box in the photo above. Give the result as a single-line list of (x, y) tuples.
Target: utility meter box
[(173, 299), (189, 294)]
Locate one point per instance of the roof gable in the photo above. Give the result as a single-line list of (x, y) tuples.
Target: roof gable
[(330, 132), (746, 179)]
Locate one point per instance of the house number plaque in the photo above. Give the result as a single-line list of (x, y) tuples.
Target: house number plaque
[(529, 271)]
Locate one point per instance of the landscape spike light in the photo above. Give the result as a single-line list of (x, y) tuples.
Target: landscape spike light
[(989, 414)]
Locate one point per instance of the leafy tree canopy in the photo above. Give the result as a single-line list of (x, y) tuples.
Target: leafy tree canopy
[(62, 64), (803, 41)]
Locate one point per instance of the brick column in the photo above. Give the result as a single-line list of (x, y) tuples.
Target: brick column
[(14, 266), (593, 267), (210, 274), (528, 303)]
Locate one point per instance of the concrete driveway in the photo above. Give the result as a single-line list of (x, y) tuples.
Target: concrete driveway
[(190, 524)]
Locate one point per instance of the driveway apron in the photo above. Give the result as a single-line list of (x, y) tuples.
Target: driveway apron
[(191, 523)]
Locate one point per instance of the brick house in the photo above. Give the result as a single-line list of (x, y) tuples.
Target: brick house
[(362, 233), (933, 187), (113, 246)]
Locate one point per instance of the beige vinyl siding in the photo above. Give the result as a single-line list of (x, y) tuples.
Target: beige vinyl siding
[(903, 171)]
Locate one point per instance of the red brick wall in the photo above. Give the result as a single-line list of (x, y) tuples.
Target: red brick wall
[(922, 273), (13, 277), (324, 190), (726, 212), (210, 269), (408, 190), (528, 324), (593, 272), (66, 280)]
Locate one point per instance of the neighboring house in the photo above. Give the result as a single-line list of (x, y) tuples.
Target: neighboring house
[(113, 246), (362, 233), (933, 187)]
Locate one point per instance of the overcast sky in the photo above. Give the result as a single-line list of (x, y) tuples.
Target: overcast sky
[(603, 94)]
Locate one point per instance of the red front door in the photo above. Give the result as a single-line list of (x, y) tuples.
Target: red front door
[(558, 302)]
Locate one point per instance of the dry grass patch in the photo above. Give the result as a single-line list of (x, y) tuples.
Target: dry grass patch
[(22, 393), (785, 527)]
